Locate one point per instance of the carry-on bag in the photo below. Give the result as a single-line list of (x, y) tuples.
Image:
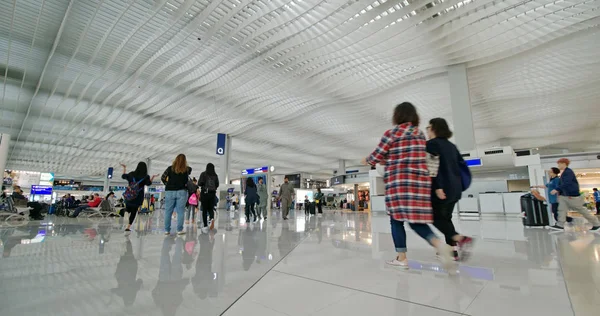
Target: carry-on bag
[(312, 208), (535, 212)]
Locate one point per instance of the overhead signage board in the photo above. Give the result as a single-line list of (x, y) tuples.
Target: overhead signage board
[(221, 142), (264, 169), (337, 180), (46, 178), (41, 190), (474, 162), (230, 190)]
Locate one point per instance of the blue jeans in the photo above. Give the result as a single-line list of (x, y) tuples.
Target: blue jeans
[(399, 234), (175, 201)]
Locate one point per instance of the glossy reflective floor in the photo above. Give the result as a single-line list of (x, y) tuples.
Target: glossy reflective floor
[(330, 265)]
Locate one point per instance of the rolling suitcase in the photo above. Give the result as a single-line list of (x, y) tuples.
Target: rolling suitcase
[(312, 208), (535, 212)]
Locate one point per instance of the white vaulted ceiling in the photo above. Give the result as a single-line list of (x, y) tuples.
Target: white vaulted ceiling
[(298, 84)]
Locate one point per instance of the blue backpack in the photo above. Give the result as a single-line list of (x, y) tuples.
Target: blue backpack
[(133, 190), (465, 175)]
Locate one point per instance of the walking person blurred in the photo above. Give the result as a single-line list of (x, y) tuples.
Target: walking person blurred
[(570, 197), (137, 180), (319, 199), (407, 184), (553, 198), (263, 197), (286, 194), (175, 179), (192, 204), (251, 198), (597, 200), (209, 183), (446, 187)]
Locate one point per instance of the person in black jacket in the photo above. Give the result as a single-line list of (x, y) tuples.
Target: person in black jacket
[(209, 183), (140, 177), (446, 187), (251, 198)]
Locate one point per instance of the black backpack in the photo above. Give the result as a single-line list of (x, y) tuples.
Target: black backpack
[(210, 183)]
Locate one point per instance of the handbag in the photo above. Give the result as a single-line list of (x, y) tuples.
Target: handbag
[(193, 199), (433, 164)]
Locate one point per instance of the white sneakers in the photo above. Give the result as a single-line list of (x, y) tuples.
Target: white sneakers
[(446, 257), (205, 230), (397, 263)]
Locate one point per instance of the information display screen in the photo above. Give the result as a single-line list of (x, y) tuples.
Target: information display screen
[(41, 190), (301, 195)]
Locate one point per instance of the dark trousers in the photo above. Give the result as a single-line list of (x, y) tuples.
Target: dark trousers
[(320, 207), (442, 219), (207, 202), (79, 210), (132, 212), (250, 210), (597, 208), (555, 213)]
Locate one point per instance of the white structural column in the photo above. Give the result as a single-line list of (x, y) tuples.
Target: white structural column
[(462, 116), (4, 145), (106, 188), (225, 165), (342, 167)]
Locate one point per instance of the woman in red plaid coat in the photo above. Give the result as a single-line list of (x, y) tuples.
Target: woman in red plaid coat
[(407, 183)]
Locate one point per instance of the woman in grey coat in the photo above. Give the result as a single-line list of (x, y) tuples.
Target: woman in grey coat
[(263, 197)]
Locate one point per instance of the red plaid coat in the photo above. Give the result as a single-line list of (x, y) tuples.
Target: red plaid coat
[(407, 181)]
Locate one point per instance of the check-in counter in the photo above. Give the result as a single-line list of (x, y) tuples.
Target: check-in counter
[(378, 203), (491, 203), (508, 203), (468, 206), (512, 202)]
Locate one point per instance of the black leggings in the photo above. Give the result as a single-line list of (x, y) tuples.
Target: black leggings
[(250, 210), (132, 213), (442, 219), (207, 202)]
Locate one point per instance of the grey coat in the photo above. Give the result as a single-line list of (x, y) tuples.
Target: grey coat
[(263, 195)]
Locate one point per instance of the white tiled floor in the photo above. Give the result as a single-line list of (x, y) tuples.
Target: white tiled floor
[(330, 265)]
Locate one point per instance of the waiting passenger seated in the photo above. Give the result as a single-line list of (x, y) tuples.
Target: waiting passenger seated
[(18, 198), (93, 203)]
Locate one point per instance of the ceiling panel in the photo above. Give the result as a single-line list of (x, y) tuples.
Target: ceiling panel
[(298, 84)]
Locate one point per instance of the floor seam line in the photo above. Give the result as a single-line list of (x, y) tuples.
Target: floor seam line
[(562, 271), (367, 292), (259, 279)]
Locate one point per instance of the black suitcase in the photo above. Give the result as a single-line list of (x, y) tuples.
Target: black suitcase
[(311, 207), (535, 212)]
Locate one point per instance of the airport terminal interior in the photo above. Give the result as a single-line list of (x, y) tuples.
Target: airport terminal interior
[(300, 157)]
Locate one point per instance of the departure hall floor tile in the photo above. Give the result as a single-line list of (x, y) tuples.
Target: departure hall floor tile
[(328, 265)]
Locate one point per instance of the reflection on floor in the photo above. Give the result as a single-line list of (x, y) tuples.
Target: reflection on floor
[(329, 265)]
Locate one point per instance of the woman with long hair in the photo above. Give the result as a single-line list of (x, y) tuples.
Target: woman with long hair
[(251, 198), (209, 183), (407, 183), (175, 179), (137, 180), (446, 186)]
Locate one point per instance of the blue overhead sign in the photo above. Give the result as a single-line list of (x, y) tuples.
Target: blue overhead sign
[(109, 174), (264, 169), (221, 142), (41, 189), (474, 162)]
